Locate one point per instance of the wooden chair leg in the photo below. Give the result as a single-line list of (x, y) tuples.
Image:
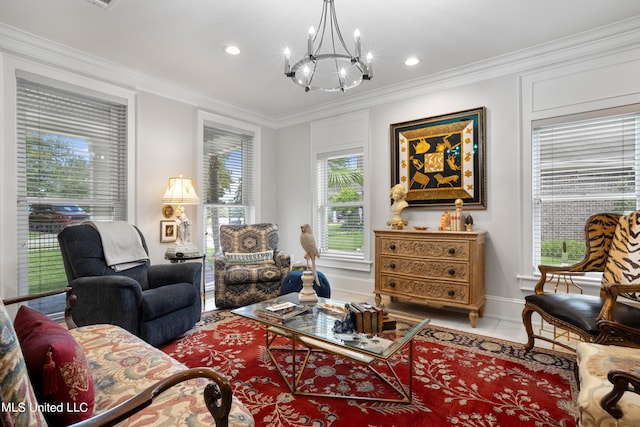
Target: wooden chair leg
[(527, 312)]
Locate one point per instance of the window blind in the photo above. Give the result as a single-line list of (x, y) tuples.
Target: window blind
[(72, 156), (580, 167), (228, 165), (339, 229)]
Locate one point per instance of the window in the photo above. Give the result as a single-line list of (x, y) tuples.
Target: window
[(340, 211), (228, 181), (581, 166), (340, 205), (72, 166)]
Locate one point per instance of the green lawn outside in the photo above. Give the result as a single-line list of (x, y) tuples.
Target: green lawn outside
[(46, 271), (345, 238), (552, 251)]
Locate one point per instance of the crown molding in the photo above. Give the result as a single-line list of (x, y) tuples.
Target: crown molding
[(30, 47), (599, 42)]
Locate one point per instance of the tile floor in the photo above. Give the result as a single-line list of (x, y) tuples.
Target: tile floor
[(502, 329)]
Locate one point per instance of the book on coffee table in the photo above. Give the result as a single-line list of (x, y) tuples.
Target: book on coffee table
[(282, 311)]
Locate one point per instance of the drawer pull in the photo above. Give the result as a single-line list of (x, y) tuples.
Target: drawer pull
[(392, 265), (452, 272), (392, 284), (392, 246), (452, 251), (451, 292)]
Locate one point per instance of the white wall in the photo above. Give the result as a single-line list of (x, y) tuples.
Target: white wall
[(164, 134), (268, 184), (602, 82), (166, 141), (500, 97), (602, 79), (295, 195)]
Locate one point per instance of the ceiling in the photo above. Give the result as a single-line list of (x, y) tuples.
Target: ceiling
[(181, 41)]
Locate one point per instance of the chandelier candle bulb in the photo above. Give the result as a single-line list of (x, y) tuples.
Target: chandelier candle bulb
[(312, 33), (356, 36), (287, 64), (369, 75)]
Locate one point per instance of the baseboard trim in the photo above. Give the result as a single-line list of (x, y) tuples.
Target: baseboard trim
[(501, 308)]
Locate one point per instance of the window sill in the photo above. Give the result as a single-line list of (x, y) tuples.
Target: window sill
[(589, 283), (344, 263)]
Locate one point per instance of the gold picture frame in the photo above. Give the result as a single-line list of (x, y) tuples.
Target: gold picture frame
[(168, 231), (167, 211), (440, 159)]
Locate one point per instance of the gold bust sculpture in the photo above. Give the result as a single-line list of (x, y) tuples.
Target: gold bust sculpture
[(399, 197)]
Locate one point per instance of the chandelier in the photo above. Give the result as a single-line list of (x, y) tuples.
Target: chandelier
[(335, 68)]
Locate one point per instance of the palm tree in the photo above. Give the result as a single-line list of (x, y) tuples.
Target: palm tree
[(343, 175), (346, 177)]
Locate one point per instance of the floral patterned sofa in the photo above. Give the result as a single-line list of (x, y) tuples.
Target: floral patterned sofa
[(102, 375)]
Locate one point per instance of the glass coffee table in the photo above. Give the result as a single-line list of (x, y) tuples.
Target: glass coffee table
[(313, 331)]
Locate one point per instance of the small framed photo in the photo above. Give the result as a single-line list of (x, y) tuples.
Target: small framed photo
[(168, 231)]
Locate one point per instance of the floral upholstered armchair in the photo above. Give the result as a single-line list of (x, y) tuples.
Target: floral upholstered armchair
[(249, 268)]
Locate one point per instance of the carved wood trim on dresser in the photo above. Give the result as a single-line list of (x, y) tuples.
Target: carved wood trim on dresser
[(436, 268)]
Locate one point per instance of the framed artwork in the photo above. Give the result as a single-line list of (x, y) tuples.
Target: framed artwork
[(440, 159), (168, 231)]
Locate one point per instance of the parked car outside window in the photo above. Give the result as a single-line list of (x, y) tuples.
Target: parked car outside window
[(53, 217)]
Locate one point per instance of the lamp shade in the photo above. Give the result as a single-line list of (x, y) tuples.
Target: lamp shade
[(180, 191)]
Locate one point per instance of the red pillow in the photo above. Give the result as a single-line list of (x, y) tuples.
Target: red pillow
[(57, 368)]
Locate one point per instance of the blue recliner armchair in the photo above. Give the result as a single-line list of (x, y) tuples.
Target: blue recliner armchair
[(156, 303)]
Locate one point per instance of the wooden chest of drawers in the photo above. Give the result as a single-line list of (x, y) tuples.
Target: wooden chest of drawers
[(436, 268)]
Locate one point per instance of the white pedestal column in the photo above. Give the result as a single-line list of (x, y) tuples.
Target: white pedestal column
[(307, 293)]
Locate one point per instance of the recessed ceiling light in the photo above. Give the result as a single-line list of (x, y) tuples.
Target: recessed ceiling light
[(232, 50), (412, 61)]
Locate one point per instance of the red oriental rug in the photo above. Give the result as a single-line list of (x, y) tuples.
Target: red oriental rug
[(459, 379)]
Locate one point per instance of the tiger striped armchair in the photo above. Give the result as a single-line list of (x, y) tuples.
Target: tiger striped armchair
[(613, 248)]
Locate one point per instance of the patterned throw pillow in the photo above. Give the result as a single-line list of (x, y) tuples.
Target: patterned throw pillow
[(57, 367), (17, 393), (265, 257)]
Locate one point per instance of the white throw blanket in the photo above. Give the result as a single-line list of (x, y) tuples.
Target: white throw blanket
[(121, 244)]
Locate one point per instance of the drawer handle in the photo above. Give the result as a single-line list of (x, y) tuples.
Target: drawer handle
[(392, 265), (451, 292), (392, 284), (452, 272), (392, 246), (452, 251)]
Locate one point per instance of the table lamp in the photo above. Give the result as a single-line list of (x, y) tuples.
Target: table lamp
[(180, 191)]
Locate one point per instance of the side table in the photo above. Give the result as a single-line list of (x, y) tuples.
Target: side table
[(201, 257)]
